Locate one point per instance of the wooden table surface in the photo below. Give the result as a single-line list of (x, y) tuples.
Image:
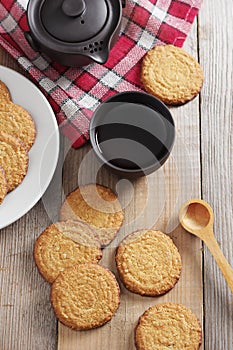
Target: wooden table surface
[(201, 165)]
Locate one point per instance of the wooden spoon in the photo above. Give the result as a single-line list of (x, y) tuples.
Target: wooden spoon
[(196, 216)]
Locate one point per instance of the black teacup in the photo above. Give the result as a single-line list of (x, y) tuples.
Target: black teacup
[(132, 133)]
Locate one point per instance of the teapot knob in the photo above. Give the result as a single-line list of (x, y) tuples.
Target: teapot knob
[(73, 8)]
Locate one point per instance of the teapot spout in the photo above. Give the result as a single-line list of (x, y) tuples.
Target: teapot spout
[(100, 56)]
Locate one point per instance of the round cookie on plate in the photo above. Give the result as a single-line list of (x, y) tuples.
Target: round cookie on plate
[(85, 296), (3, 185), (148, 262), (5, 95), (64, 244), (96, 205), (13, 159), (16, 121), (168, 326), (171, 74)]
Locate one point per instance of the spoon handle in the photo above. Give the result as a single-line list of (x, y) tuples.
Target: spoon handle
[(223, 264)]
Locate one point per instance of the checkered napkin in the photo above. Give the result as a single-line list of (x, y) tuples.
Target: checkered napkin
[(74, 93)]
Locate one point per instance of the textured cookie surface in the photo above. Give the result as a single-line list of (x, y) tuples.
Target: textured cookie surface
[(168, 326), (85, 296), (64, 244), (20, 125), (3, 185), (16, 121), (98, 206), (13, 159), (5, 95), (171, 74), (148, 262)]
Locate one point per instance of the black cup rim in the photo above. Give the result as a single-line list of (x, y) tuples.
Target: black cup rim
[(140, 97)]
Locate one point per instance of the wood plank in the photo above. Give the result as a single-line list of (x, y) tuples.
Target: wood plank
[(151, 201), (26, 316), (27, 320), (216, 49)]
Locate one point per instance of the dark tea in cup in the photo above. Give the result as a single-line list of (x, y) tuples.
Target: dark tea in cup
[(132, 133)]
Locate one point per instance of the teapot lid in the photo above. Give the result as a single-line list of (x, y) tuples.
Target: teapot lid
[(73, 20)]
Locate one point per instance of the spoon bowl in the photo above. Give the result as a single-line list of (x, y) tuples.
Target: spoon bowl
[(196, 216)]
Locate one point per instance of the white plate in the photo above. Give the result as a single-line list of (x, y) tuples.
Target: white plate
[(43, 155)]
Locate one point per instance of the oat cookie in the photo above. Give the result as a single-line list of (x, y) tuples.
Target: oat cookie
[(5, 95), (13, 159), (16, 121), (3, 185), (20, 125), (64, 244), (148, 262), (168, 326), (171, 74), (98, 206), (85, 296)]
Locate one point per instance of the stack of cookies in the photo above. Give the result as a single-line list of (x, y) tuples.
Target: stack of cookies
[(17, 135), (84, 295)]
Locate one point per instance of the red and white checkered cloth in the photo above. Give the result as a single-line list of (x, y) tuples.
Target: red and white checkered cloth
[(74, 93)]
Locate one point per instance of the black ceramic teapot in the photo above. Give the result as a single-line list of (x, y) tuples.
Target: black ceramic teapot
[(74, 32)]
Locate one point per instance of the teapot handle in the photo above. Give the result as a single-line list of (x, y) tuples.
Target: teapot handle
[(30, 41)]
